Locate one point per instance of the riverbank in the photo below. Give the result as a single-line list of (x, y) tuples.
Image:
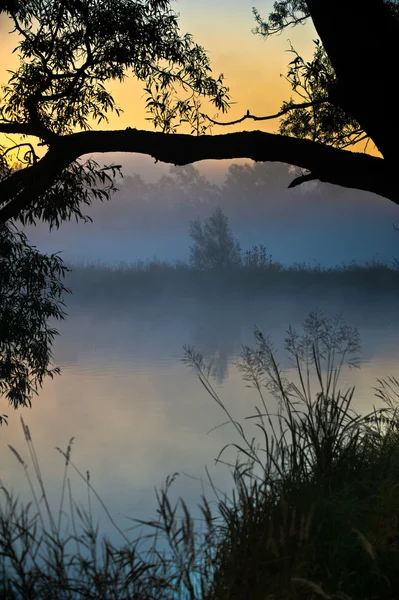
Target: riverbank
[(100, 283)]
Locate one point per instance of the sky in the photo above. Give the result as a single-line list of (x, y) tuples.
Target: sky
[(253, 69)]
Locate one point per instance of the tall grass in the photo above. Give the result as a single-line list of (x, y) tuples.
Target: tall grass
[(315, 507), (314, 510), (48, 556)]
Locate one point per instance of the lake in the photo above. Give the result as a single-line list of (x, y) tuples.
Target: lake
[(139, 414)]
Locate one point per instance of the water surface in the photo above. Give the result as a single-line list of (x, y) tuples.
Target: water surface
[(139, 414)]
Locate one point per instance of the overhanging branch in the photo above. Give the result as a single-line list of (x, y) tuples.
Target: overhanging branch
[(328, 164)]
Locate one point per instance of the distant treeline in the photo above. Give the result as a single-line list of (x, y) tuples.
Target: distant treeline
[(98, 282)]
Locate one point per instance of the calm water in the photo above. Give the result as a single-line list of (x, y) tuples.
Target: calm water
[(138, 413)]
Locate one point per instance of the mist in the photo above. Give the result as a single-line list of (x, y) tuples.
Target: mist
[(149, 216)]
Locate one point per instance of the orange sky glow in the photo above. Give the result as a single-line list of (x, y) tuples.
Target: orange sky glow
[(252, 67)]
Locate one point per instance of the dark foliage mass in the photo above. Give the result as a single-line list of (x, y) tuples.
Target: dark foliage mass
[(314, 511), (31, 299)]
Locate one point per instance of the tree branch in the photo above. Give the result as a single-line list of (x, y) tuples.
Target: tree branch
[(14, 128), (36, 129), (328, 164), (281, 113), (302, 179), (32, 152)]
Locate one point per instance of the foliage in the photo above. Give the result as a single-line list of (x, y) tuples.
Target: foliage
[(144, 281), (69, 52), (79, 184), (214, 244), (257, 258), (314, 508), (322, 121), (284, 14), (313, 83), (31, 297), (45, 555), (288, 13)]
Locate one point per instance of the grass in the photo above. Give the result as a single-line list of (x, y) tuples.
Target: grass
[(314, 510), (99, 282)]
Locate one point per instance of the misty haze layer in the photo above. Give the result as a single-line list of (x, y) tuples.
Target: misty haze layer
[(149, 216)]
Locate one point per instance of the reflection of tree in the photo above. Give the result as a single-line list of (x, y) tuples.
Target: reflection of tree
[(218, 335)]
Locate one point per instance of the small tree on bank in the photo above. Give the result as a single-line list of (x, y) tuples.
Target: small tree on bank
[(215, 246)]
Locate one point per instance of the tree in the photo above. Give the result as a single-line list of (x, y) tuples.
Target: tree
[(70, 50), (215, 246)]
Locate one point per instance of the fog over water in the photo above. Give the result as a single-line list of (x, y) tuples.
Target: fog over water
[(136, 411)]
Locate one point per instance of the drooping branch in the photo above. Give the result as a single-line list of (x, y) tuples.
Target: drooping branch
[(30, 156), (23, 188), (302, 179), (327, 164)]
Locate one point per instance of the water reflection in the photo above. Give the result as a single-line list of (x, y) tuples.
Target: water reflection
[(138, 413)]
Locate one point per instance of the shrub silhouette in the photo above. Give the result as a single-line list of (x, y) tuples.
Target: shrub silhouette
[(215, 246)]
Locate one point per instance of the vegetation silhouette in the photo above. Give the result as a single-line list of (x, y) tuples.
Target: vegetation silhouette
[(32, 291), (98, 283), (214, 244), (315, 507)]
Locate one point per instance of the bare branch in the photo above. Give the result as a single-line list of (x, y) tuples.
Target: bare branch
[(302, 179), (282, 112), (31, 152)]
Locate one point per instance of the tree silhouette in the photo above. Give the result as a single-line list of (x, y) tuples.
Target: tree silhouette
[(215, 246)]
